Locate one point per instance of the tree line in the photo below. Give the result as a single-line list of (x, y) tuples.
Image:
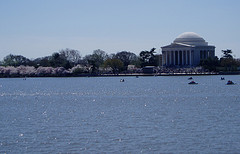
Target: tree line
[(225, 63), (69, 61)]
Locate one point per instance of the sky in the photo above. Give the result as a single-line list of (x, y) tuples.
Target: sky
[(38, 28)]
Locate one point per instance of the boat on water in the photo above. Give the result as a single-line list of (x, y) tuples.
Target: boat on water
[(230, 82), (192, 82), (222, 78), (122, 80), (190, 78)]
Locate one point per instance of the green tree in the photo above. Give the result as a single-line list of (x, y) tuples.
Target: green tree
[(57, 60), (228, 62), (211, 63), (148, 57), (227, 53), (126, 57), (96, 59), (16, 60), (116, 64), (44, 62)]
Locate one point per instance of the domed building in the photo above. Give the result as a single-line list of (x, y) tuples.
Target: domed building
[(186, 50)]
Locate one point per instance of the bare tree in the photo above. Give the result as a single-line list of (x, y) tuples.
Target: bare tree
[(71, 55)]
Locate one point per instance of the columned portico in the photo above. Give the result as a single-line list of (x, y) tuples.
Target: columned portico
[(186, 51), (181, 58)]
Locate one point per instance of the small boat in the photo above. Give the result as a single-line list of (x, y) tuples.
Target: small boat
[(190, 78), (222, 78), (122, 80), (230, 82), (192, 82)]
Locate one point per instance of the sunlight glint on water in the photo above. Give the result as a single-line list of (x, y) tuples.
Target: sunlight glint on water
[(104, 115)]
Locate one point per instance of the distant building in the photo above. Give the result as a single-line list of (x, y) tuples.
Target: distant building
[(186, 50), (149, 69), (131, 67)]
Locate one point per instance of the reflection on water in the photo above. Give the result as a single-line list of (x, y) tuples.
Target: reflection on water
[(104, 115)]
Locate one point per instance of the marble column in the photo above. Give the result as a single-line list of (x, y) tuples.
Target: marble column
[(190, 58), (170, 57), (174, 58), (186, 57), (182, 57), (166, 58), (178, 57), (163, 58)]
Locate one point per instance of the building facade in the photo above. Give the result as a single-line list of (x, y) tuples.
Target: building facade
[(187, 50)]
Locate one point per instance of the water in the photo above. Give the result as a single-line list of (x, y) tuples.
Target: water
[(104, 115)]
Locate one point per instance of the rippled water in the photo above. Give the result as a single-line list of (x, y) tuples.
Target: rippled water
[(103, 115)]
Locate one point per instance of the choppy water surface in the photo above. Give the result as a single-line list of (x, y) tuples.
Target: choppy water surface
[(103, 115)]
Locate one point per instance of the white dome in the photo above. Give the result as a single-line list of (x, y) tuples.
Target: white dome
[(190, 38)]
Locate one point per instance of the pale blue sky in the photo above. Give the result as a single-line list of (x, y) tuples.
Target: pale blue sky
[(37, 28)]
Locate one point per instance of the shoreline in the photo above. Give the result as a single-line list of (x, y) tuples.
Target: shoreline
[(130, 75)]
